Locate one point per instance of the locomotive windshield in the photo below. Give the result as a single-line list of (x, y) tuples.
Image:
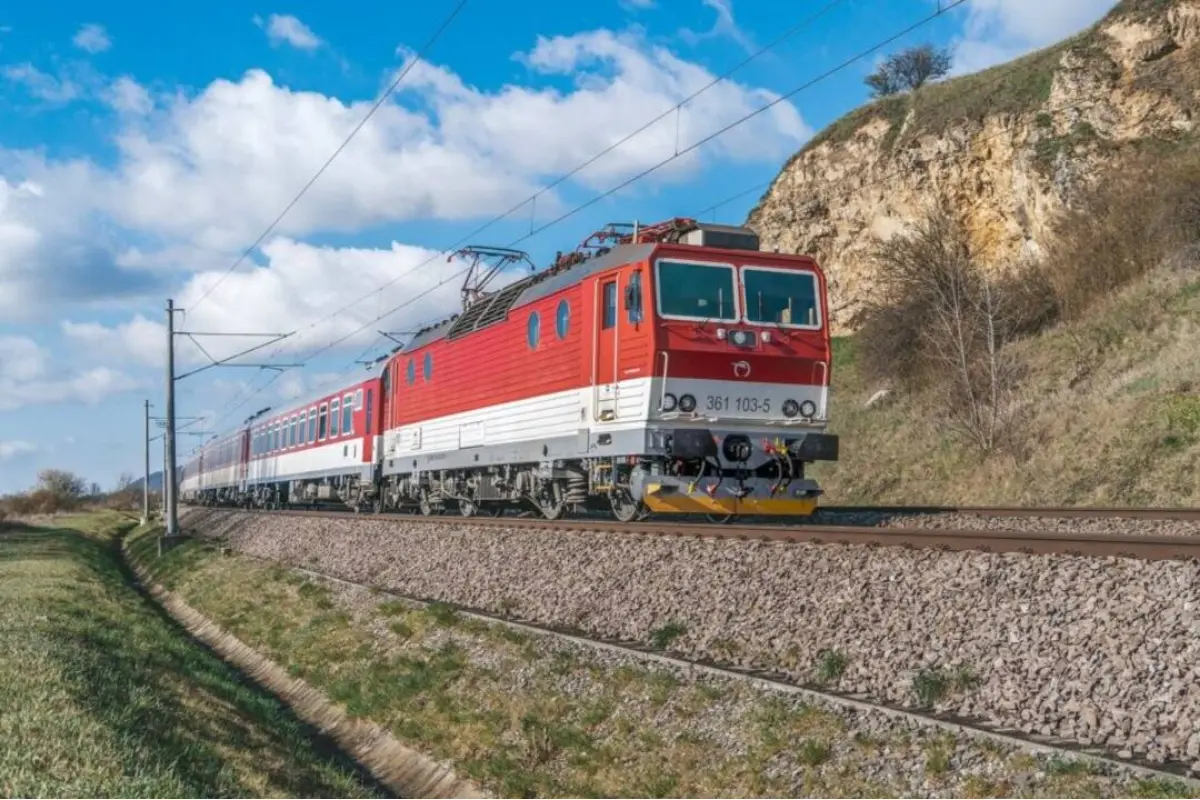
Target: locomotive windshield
[(781, 297), (696, 291)]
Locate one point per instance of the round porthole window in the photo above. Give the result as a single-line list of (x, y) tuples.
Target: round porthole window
[(428, 366), (412, 372), (562, 319), (534, 330)]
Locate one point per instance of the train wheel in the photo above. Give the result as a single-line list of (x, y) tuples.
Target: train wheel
[(720, 519), (625, 508), (425, 506), (468, 508)]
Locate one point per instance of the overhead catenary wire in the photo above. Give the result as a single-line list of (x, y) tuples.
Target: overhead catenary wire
[(949, 154), (925, 20), (531, 200), (419, 56), (1076, 105)]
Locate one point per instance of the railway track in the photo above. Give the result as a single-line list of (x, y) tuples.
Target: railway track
[(779, 682), (1049, 512), (1092, 544)]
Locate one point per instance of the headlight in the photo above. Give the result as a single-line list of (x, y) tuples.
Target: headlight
[(687, 404), (808, 408), (790, 408), (669, 402)]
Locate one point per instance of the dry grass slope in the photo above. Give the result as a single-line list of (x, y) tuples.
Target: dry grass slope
[(105, 697), (1109, 414)]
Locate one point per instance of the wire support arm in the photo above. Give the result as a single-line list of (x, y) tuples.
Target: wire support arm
[(225, 362)]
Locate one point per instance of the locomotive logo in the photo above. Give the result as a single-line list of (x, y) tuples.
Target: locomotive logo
[(741, 369)]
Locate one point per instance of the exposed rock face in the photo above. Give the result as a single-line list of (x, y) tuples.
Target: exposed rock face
[(1006, 149)]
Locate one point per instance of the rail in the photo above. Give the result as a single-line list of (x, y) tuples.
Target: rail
[(1096, 545)]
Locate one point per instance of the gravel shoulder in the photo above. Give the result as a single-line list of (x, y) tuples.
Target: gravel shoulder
[(1105, 652), (530, 714)]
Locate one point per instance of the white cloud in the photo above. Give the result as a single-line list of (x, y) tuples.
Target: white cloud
[(725, 25), (15, 448), (217, 168), (128, 96), (198, 178), (52, 247), (139, 340), (43, 85), (298, 284), (21, 359), (27, 377), (999, 30), (92, 38), (286, 29)]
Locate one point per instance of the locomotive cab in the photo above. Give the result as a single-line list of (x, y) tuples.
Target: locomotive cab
[(740, 370)]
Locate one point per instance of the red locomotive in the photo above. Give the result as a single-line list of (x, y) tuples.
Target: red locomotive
[(673, 368)]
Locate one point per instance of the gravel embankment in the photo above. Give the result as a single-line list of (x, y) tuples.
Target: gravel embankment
[(866, 750), (1103, 651), (974, 522)]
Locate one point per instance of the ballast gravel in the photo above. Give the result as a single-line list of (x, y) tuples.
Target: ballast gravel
[(1103, 651), (864, 751), (977, 522)]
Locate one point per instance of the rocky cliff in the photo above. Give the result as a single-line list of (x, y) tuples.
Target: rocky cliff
[(1007, 148)]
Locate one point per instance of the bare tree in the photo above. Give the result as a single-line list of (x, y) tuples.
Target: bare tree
[(909, 70), (941, 325), (62, 484)]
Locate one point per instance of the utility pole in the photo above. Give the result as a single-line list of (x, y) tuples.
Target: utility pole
[(163, 479), (146, 471), (170, 499), (172, 521)]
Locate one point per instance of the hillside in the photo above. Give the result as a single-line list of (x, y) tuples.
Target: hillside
[(1108, 413), (155, 482), (1008, 148)]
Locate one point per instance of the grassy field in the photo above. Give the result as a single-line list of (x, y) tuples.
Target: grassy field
[(527, 716), (1108, 413), (104, 696)]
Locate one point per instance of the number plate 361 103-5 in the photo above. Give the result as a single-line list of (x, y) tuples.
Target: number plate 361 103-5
[(725, 403)]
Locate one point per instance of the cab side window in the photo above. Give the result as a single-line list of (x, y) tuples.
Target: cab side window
[(609, 309), (633, 298)]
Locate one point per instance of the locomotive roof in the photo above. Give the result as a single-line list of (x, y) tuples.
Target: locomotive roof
[(540, 285)]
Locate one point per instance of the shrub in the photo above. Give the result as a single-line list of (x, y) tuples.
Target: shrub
[(1137, 215), (941, 323), (909, 70)]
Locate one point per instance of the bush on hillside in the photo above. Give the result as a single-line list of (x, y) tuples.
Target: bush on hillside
[(909, 70), (940, 323), (1133, 218)]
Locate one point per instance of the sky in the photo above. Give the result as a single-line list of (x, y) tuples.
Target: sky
[(144, 152)]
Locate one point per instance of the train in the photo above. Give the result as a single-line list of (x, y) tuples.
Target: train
[(675, 368)]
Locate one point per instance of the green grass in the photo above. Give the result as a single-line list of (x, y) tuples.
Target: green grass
[(526, 717), (104, 696)]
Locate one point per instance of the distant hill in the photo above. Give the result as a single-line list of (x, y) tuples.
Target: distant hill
[(156, 481)]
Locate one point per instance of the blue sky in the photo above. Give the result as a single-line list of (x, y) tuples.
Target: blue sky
[(141, 151)]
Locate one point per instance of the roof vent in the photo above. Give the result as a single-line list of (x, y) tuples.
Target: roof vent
[(726, 237)]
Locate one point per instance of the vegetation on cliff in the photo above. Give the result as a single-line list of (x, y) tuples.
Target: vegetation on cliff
[(1071, 381)]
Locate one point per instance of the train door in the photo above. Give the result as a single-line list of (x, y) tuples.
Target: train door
[(368, 438), (243, 467), (607, 349)]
